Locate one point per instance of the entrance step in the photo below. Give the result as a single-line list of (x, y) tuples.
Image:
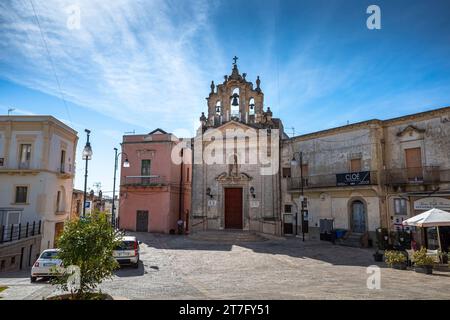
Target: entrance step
[(227, 236), (353, 240)]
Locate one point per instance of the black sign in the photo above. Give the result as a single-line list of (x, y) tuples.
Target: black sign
[(353, 178)]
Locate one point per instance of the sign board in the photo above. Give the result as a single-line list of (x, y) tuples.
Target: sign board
[(432, 202), (254, 204), (305, 215), (353, 178), (212, 203), (87, 204)]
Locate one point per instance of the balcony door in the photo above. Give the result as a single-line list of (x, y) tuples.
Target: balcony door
[(25, 156), (413, 158), (145, 171)]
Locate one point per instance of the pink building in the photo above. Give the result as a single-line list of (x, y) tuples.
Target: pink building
[(155, 190)]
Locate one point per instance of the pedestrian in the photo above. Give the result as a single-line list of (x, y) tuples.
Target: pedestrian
[(180, 224)]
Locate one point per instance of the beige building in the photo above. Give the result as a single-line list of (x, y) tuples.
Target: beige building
[(370, 175), (37, 167)]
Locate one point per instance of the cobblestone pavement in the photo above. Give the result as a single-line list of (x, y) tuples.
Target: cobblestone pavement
[(175, 267)]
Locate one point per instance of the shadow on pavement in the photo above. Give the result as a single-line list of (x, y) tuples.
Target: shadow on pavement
[(130, 271)]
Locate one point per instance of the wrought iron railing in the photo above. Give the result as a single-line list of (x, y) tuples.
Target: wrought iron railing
[(147, 181), (416, 175), (19, 231)]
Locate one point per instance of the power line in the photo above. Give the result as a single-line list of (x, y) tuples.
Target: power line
[(51, 61)]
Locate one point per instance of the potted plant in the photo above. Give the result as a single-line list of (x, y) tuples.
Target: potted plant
[(378, 256), (423, 263), (395, 259)]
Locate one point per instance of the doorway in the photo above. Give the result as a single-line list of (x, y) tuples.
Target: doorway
[(233, 208), (59, 228), (288, 224), (358, 217), (142, 221)]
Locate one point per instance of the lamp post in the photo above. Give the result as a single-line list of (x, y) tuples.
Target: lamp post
[(126, 164), (294, 163), (87, 155)]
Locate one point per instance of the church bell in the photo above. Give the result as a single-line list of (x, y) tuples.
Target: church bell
[(235, 100)]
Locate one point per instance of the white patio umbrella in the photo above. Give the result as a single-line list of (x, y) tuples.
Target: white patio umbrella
[(431, 218)]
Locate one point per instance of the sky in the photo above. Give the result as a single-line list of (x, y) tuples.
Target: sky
[(133, 66)]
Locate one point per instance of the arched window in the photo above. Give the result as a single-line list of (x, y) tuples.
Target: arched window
[(218, 108), (234, 102), (251, 107)]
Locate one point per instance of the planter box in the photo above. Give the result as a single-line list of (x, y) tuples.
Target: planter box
[(424, 269)]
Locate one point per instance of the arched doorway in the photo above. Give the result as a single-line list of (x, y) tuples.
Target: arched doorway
[(358, 216)]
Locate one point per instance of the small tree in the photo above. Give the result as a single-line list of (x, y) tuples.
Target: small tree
[(88, 244)]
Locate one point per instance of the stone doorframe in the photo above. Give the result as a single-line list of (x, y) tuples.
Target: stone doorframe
[(242, 180)]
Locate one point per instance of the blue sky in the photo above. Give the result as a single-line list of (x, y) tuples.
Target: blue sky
[(138, 65)]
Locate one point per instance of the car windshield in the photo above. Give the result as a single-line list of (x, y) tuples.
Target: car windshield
[(126, 245), (49, 255)]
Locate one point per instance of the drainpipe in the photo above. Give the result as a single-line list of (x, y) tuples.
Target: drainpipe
[(181, 187)]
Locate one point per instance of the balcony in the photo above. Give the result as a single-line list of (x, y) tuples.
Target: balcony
[(419, 175), (333, 180), (65, 172), (144, 181)]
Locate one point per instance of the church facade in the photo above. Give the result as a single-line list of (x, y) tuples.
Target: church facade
[(236, 160)]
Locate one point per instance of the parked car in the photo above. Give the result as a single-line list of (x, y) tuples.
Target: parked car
[(127, 253), (47, 265)]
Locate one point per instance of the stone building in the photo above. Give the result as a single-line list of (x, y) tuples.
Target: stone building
[(340, 169), (236, 160), (37, 168), (370, 175), (416, 160)]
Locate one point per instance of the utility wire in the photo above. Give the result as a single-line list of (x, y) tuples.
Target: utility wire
[(51, 61)]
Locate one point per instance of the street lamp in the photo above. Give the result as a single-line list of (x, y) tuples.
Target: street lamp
[(295, 163), (87, 155), (126, 164)]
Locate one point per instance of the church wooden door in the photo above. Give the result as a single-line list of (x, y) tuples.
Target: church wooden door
[(233, 208)]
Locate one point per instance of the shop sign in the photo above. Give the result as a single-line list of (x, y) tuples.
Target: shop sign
[(353, 178), (432, 202)]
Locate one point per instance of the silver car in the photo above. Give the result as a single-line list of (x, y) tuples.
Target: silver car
[(127, 253), (47, 265)]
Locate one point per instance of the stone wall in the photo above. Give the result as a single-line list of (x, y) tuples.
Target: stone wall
[(11, 253)]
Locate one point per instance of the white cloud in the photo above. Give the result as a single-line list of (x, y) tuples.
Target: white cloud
[(133, 60)]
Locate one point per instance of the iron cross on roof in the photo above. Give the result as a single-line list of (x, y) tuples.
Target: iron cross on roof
[(235, 59)]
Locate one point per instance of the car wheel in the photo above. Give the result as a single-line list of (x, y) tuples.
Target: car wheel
[(32, 279)]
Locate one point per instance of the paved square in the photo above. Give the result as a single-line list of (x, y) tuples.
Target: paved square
[(176, 267)]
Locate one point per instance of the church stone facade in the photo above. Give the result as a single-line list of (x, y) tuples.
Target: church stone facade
[(236, 160)]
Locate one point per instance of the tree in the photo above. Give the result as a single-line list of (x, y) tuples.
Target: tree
[(87, 246)]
